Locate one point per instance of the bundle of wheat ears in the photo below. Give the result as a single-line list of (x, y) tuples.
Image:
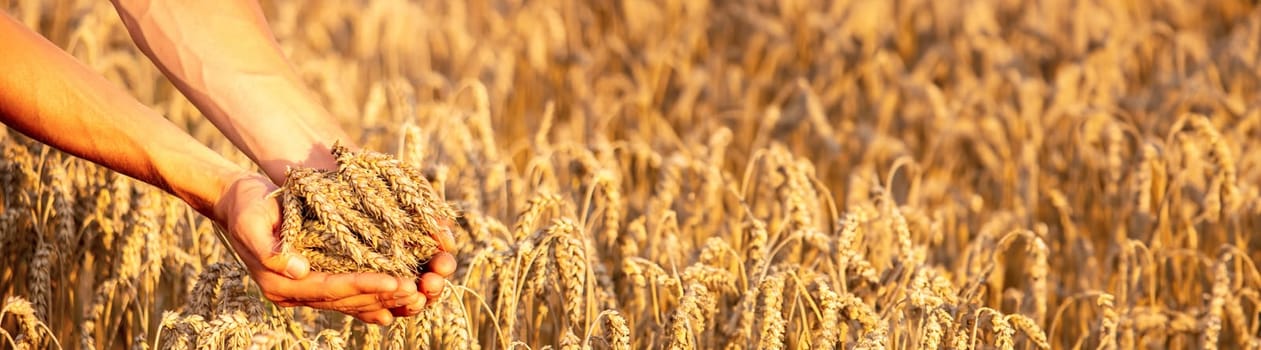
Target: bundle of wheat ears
[(374, 213)]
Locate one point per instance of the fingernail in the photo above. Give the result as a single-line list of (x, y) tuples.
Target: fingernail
[(296, 267), (405, 301), (450, 236)]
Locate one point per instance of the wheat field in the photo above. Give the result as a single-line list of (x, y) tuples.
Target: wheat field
[(753, 174)]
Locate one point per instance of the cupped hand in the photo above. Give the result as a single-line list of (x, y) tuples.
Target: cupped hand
[(251, 218)]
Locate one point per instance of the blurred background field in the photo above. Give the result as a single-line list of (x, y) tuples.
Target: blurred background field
[(714, 175)]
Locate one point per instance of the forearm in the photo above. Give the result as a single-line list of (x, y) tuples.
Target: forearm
[(51, 97), (225, 59)]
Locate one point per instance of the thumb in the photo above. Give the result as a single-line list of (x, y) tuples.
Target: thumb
[(288, 264), (260, 234)]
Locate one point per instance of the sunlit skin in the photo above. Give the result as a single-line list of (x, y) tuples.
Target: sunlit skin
[(224, 58)]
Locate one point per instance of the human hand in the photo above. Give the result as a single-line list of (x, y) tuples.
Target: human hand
[(251, 218)]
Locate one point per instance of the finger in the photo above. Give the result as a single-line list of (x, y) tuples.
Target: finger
[(406, 288), (443, 264), (412, 309), (431, 285), (320, 286), (355, 304), (381, 317), (365, 302), (289, 265), (405, 301)]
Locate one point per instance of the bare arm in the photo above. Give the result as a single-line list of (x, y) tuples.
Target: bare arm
[(225, 59), (51, 97)]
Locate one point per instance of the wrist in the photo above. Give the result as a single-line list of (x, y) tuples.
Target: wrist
[(203, 185)]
